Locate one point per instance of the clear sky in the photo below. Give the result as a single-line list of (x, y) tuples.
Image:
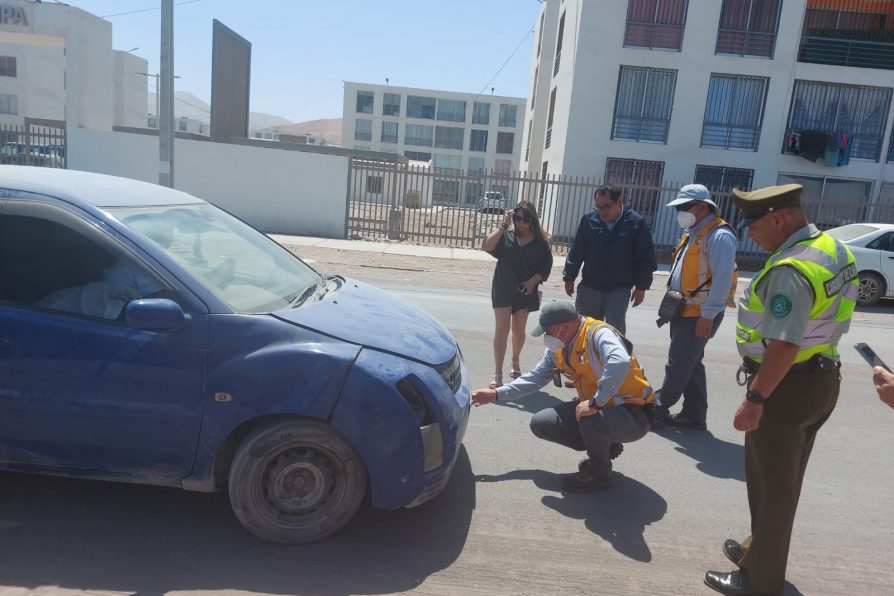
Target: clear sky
[(302, 50)]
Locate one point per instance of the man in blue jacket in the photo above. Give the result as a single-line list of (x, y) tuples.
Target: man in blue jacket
[(614, 244)]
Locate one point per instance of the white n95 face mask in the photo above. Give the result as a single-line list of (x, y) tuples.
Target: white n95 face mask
[(685, 219), (553, 343)]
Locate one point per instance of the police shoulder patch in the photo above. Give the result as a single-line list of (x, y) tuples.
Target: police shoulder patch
[(780, 306)]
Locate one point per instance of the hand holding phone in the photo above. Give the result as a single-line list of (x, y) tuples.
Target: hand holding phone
[(870, 356)]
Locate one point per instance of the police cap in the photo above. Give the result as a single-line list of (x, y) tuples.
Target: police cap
[(757, 203)]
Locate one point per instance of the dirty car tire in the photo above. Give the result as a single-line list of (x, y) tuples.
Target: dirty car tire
[(872, 288), (296, 481)]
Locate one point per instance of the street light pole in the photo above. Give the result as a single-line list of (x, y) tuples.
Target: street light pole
[(166, 101), (157, 94)]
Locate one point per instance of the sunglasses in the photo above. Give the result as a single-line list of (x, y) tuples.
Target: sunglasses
[(686, 206), (605, 207), (521, 218)]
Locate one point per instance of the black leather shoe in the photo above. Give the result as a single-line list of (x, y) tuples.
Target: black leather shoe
[(657, 415), (585, 482), (614, 450), (734, 583), (733, 551), (680, 421)]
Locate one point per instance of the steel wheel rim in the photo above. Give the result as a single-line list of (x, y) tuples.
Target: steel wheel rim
[(297, 483)]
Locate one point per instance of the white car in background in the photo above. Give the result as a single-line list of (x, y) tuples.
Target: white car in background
[(873, 247)]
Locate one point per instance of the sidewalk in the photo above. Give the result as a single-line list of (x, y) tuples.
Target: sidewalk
[(432, 252)]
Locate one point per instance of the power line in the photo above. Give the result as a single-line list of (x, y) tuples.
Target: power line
[(121, 14), (529, 32), (307, 105)]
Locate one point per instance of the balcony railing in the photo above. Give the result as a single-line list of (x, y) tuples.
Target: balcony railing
[(745, 43), (653, 35), (846, 52)]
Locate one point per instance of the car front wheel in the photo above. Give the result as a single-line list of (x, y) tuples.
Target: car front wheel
[(296, 481), (872, 288)]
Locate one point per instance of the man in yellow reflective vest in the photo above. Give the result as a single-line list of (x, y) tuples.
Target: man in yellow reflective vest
[(611, 387), (704, 272), (791, 318)]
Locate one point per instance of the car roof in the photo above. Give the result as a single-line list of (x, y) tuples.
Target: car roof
[(87, 188)]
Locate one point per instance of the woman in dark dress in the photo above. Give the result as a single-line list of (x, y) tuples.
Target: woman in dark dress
[(524, 260)]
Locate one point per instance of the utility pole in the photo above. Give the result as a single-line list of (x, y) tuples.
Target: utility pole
[(166, 101)]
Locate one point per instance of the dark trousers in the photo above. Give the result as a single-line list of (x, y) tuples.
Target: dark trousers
[(776, 457), (606, 305), (593, 434), (684, 373)]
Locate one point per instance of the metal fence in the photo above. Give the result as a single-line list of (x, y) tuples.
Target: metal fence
[(38, 142), (418, 205)]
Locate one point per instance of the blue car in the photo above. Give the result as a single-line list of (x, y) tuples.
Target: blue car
[(147, 336)]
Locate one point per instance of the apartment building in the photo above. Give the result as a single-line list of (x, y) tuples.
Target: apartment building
[(456, 132), (57, 63), (727, 93)]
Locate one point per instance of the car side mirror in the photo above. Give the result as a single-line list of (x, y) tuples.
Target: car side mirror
[(154, 314)]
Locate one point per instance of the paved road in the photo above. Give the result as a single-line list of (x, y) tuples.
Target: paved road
[(502, 526)]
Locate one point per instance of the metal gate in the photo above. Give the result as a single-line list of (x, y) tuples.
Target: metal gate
[(39, 142)]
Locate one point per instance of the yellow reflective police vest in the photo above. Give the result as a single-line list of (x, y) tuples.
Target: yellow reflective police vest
[(635, 389), (832, 272), (695, 270)]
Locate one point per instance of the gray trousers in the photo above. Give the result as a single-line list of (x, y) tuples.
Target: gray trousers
[(593, 434), (609, 306), (684, 373)]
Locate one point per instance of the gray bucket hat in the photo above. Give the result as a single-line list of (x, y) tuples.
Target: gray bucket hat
[(694, 192)]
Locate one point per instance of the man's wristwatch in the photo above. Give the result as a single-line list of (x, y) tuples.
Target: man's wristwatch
[(755, 397)]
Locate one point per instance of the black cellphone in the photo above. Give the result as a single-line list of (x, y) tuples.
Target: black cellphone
[(870, 356)]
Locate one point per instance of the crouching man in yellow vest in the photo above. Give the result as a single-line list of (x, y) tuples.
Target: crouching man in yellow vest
[(611, 389), (791, 318)]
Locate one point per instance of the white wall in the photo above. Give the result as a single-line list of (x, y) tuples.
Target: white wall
[(275, 190), (130, 90)]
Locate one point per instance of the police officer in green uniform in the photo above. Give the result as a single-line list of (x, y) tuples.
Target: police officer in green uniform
[(791, 317)]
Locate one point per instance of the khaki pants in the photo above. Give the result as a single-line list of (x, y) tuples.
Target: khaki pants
[(776, 457)]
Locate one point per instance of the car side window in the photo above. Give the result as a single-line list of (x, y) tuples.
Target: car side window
[(884, 242), (48, 263)]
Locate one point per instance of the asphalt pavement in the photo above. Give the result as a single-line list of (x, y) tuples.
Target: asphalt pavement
[(502, 526)]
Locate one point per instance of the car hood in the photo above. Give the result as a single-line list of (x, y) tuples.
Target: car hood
[(363, 314)]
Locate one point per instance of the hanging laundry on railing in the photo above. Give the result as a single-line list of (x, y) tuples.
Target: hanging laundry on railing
[(838, 150), (813, 144), (793, 143)]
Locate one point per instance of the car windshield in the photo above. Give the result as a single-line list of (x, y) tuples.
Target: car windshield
[(240, 265), (849, 232)]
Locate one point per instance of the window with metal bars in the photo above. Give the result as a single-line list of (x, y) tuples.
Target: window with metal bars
[(449, 137), (419, 134), (452, 110), (734, 111), (655, 24), (640, 181), (8, 66), (719, 179), (643, 104), (860, 112), (365, 102), (480, 112), (505, 142), (389, 132), (748, 27), (507, 115), (421, 107), (559, 45), (363, 130), (391, 104), (549, 120), (477, 140), (855, 33)]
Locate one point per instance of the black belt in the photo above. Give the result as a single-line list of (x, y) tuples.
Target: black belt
[(816, 363)]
